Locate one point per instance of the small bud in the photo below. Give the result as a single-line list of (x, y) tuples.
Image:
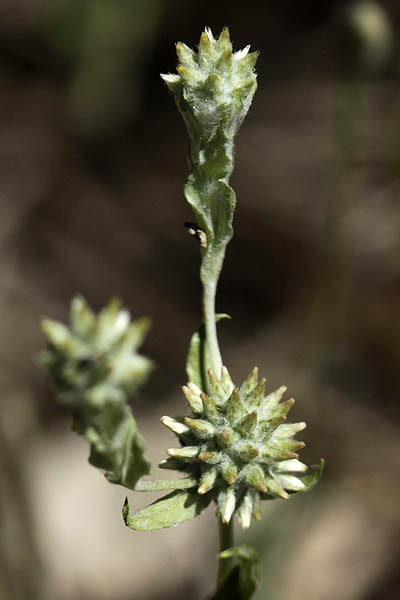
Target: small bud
[(172, 80), (227, 437), (192, 393), (210, 409), (229, 471), (189, 75), (235, 408), (254, 476), (207, 481), (202, 429), (227, 503), (257, 508), (268, 426), (210, 457), (226, 378), (171, 464), (258, 393), (271, 401), (247, 451), (57, 334), (248, 425), (275, 488), (250, 383), (246, 509), (249, 61), (291, 466), (175, 426), (290, 482), (284, 431), (183, 453), (224, 39), (212, 377), (282, 409), (224, 64), (185, 55), (83, 319)]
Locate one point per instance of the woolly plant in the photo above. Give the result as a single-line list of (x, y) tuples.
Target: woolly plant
[(234, 447)]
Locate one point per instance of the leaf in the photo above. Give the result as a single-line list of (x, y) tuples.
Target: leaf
[(166, 484), (311, 478), (241, 581), (168, 511), (115, 443), (195, 358)]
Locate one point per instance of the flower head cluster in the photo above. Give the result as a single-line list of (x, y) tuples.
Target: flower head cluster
[(237, 444), (213, 86)]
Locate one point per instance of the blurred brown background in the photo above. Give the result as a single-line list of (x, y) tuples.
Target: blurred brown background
[(92, 165)]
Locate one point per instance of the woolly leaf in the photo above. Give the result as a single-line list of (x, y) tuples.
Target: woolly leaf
[(314, 474), (166, 484), (166, 512)]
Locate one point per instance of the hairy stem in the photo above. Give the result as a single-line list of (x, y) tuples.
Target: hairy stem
[(213, 355)]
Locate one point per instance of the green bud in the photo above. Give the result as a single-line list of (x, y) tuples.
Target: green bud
[(193, 396), (229, 470), (210, 409), (207, 481), (184, 453), (291, 466), (275, 488), (289, 482), (246, 509), (250, 383), (175, 426), (235, 409), (211, 457), (226, 503), (254, 475), (201, 428), (248, 425)]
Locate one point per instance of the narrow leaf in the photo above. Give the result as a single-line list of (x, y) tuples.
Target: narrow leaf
[(166, 484), (195, 360), (168, 511)]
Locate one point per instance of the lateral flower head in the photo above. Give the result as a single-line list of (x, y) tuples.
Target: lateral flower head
[(96, 353), (95, 368), (237, 444)]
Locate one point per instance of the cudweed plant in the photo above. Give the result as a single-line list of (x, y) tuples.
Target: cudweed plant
[(234, 446)]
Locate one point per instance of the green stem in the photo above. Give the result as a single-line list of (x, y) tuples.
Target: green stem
[(213, 356), (212, 359), (225, 542)]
